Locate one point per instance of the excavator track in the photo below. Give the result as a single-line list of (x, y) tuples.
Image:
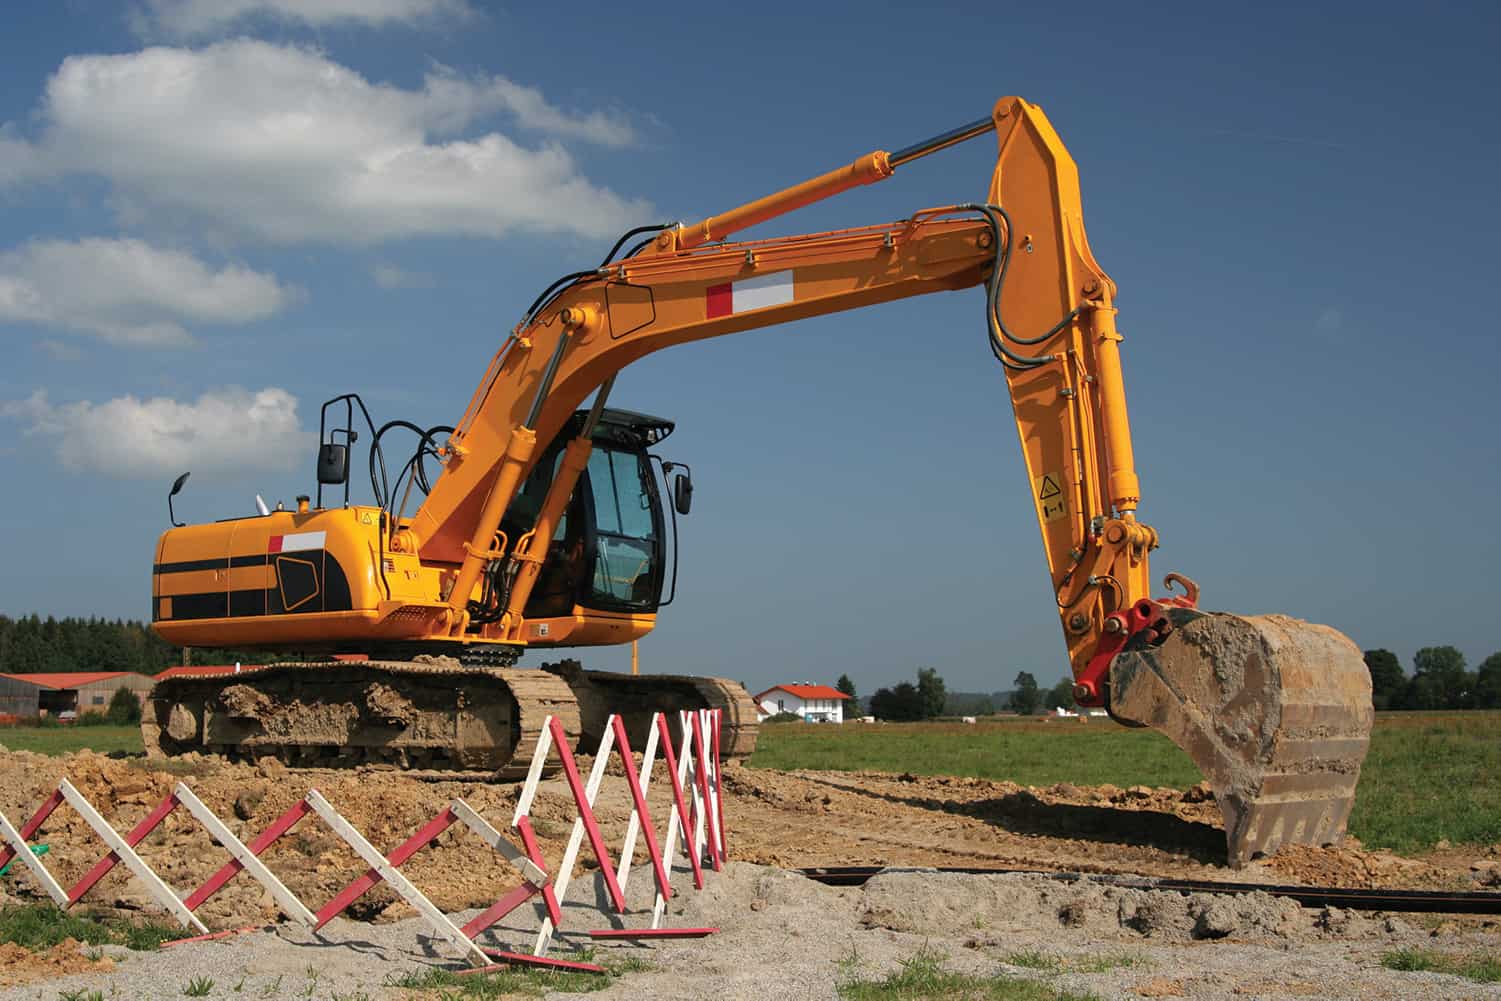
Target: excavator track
[(434, 719), (1276, 712)]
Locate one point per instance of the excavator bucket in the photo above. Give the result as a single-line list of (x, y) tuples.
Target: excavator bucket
[(1276, 712)]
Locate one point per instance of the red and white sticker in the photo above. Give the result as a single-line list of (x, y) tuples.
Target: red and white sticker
[(296, 541), (752, 293)]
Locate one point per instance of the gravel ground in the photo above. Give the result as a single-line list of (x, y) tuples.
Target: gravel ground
[(785, 937)]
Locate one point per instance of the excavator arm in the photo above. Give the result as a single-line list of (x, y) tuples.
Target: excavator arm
[(1276, 712)]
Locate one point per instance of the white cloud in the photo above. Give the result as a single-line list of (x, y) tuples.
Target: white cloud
[(230, 429), (390, 276), (282, 144), (197, 18), (128, 291)]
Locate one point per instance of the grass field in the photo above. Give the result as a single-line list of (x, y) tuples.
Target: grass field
[(1429, 776), (62, 739)]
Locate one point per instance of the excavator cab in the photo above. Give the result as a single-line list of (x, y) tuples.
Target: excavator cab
[(610, 550)]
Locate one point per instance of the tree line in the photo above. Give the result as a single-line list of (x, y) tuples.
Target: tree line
[(1440, 680), (34, 645)]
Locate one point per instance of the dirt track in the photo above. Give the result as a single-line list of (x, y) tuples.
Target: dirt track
[(786, 819)]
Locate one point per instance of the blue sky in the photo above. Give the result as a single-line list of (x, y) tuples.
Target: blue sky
[(213, 216)]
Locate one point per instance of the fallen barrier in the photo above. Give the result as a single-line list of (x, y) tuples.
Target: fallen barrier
[(696, 817)]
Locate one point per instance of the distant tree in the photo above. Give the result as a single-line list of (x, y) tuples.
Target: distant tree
[(1387, 679), (845, 685), (930, 686), (968, 704), (1026, 697), (783, 718), (1061, 695), (124, 707), (902, 702), (1440, 680), (1488, 683)]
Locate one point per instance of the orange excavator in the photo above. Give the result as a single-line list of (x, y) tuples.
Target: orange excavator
[(544, 522)]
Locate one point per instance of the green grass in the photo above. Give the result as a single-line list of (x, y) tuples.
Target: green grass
[(517, 982), (1429, 776), (925, 976), (198, 987), (41, 926), (1474, 966), (1024, 751), (65, 739)]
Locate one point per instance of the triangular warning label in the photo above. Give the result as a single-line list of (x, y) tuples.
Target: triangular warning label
[(1049, 488)]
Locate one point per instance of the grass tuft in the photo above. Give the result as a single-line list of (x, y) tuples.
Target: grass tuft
[(518, 982), (1473, 966), (41, 926), (925, 976), (199, 987)]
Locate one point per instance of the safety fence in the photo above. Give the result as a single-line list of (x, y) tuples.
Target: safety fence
[(694, 831)]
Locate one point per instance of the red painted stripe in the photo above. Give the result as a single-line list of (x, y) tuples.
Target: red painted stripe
[(362, 884), (136, 835), (718, 718), (679, 804), (586, 812), (34, 824), (719, 300), (279, 826), (630, 933), (274, 545), (212, 936), (523, 959), (534, 852), (703, 792), (505, 905), (638, 799)]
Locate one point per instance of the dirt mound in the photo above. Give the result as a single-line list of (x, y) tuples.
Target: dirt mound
[(19, 965)]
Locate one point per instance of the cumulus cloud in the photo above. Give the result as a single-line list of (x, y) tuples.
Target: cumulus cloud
[(229, 429), (196, 18), (282, 144), (129, 292)]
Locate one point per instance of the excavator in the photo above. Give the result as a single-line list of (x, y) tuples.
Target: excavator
[(543, 521)]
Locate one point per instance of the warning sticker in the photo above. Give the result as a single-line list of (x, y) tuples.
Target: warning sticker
[(1051, 503)]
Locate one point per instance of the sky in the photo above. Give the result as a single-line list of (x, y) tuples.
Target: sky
[(215, 214)]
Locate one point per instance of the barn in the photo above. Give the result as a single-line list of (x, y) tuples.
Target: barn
[(26, 695)]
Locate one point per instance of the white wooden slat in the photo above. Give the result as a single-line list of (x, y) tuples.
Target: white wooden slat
[(530, 871), (38, 870), (534, 773), (564, 874), (290, 905), (393, 877), (669, 846), (133, 862), (633, 826)]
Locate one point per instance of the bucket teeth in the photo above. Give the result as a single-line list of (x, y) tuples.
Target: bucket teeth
[(1276, 712)]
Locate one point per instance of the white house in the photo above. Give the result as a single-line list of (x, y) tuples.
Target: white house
[(814, 703)]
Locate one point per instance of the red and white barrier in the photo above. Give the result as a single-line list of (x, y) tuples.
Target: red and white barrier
[(696, 816)]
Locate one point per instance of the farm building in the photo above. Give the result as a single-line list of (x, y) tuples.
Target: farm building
[(77, 691), (814, 703)]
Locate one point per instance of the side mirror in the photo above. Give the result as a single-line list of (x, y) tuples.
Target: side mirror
[(176, 489), (333, 463), (682, 493)]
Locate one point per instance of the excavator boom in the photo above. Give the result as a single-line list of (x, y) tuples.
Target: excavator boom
[(1275, 712)]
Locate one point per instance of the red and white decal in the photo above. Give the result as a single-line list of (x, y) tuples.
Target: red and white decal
[(752, 293), (299, 540)]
